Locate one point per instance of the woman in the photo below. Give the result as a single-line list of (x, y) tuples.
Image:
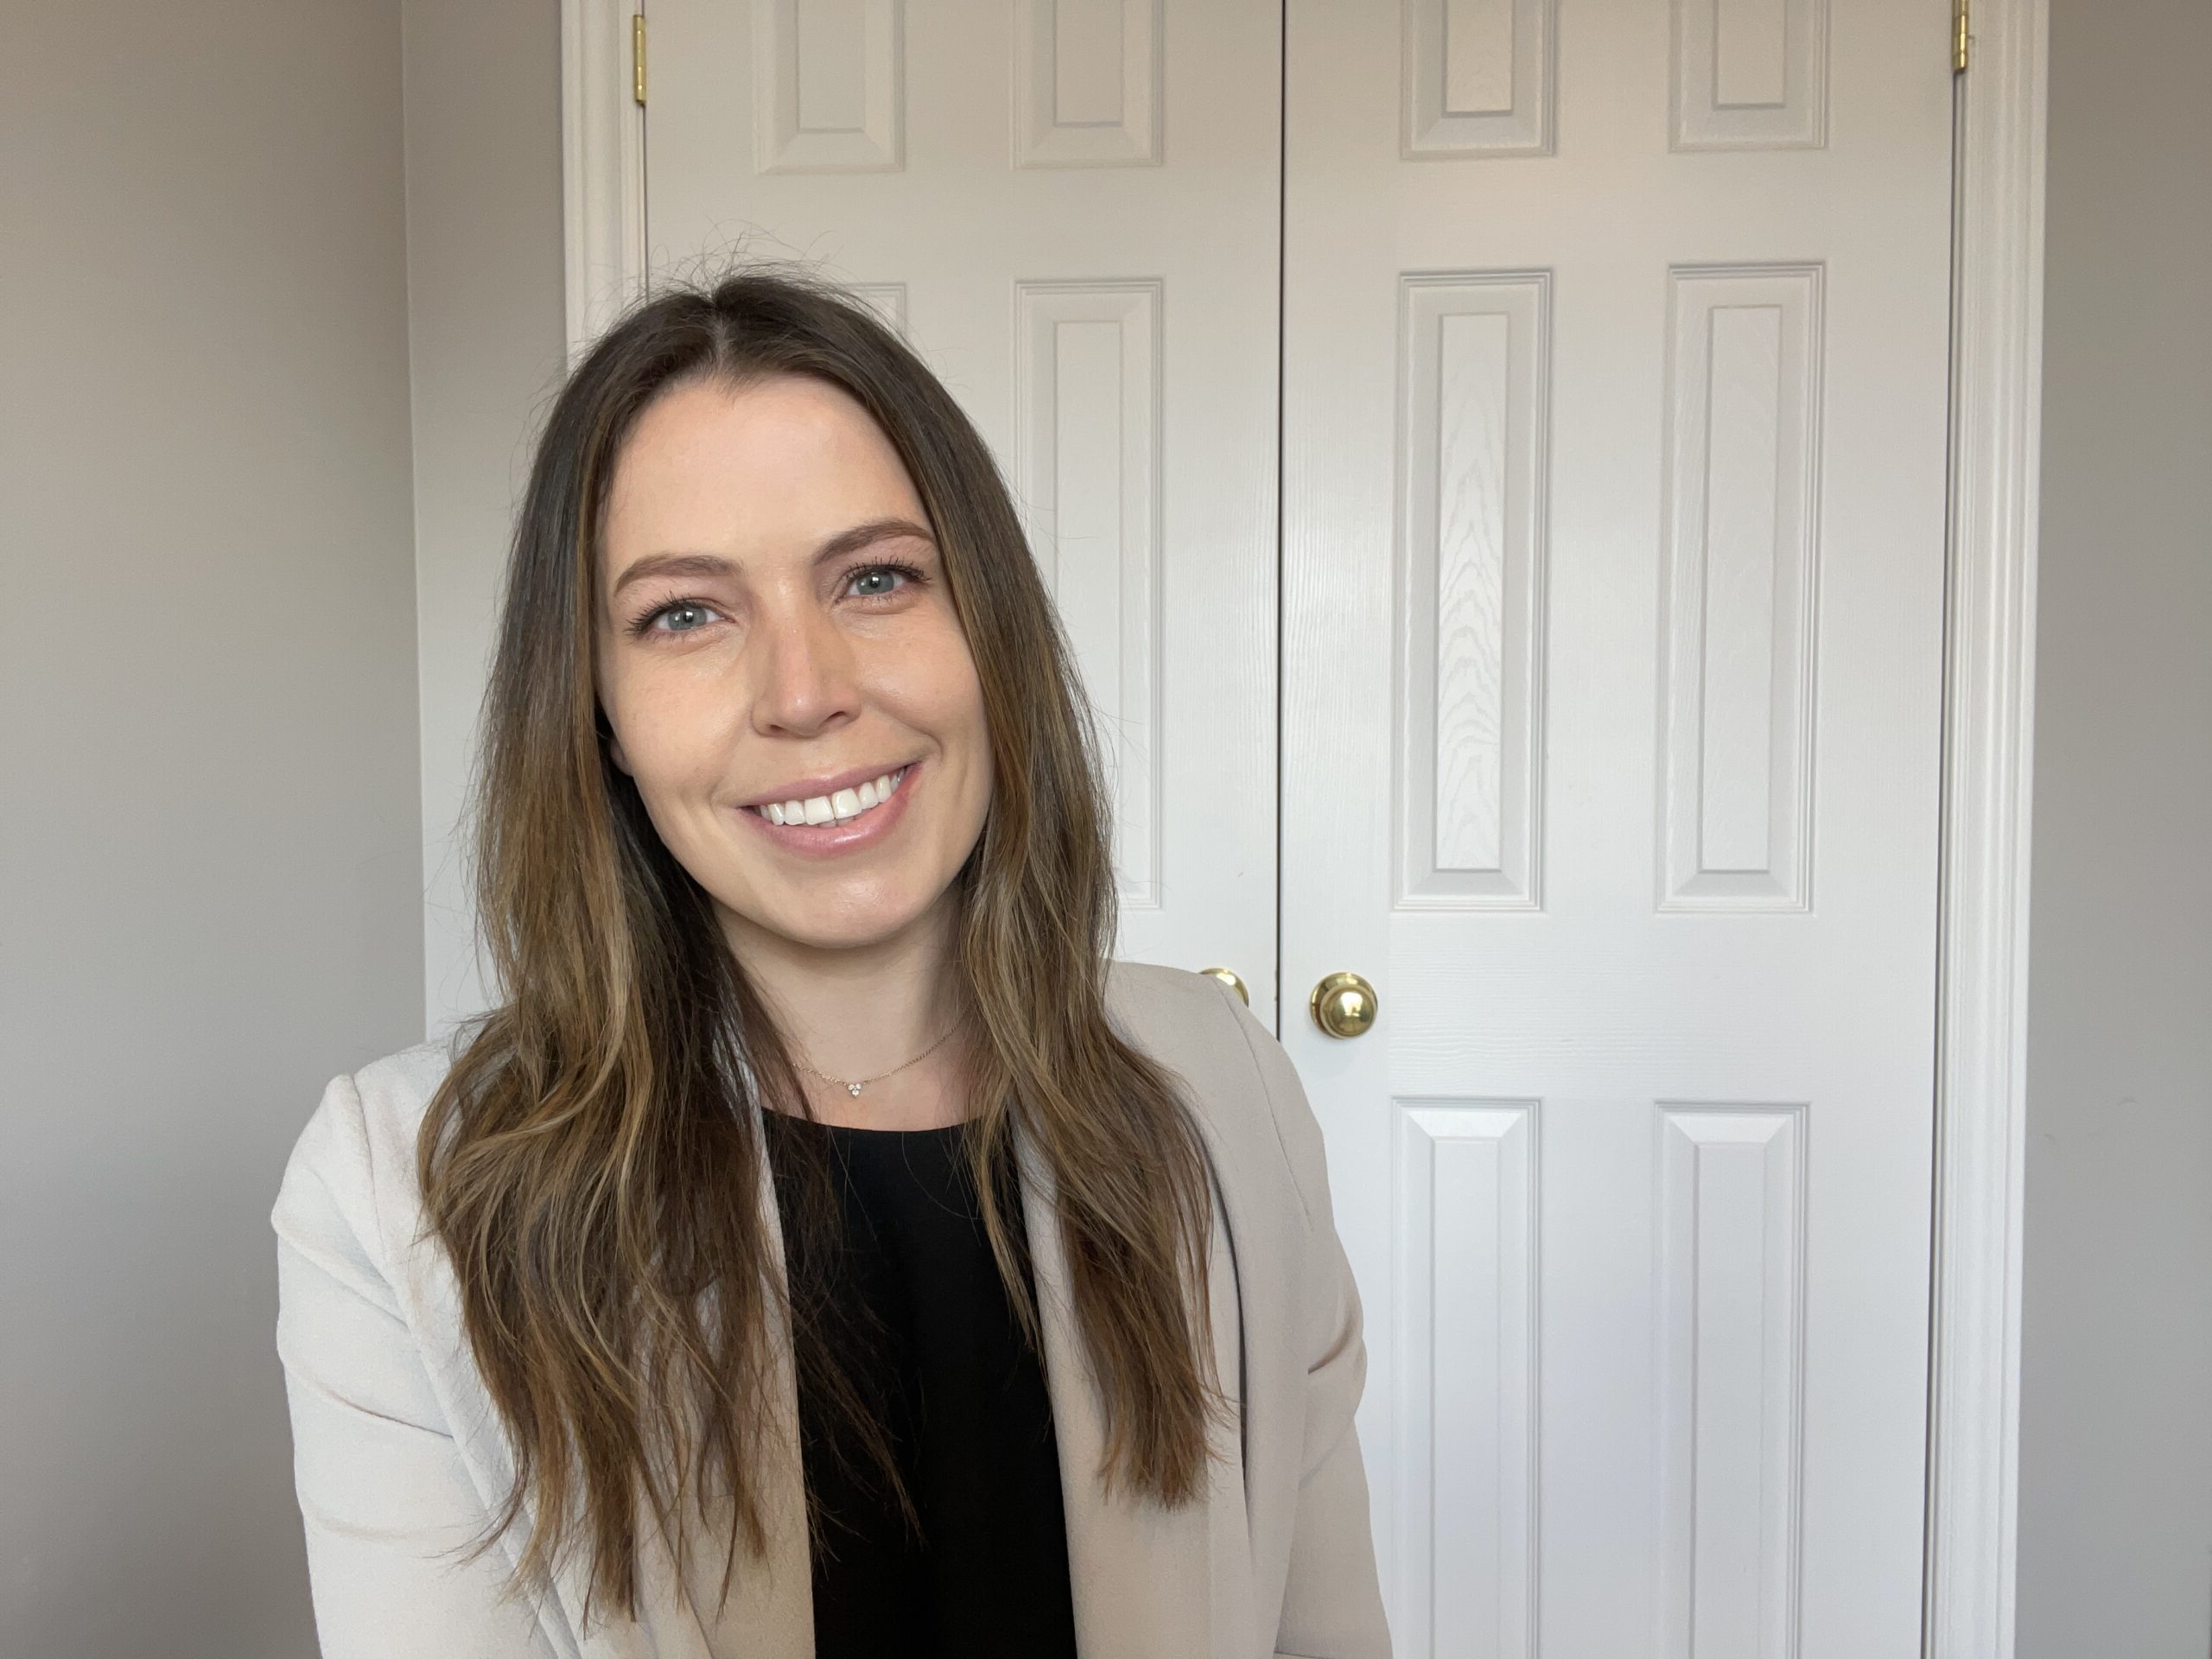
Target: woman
[(826, 1249)]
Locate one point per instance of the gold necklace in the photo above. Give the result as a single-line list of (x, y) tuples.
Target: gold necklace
[(852, 1087)]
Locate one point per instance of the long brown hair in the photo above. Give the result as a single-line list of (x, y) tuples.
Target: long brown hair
[(591, 1161)]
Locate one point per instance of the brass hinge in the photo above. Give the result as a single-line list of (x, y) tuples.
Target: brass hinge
[(1960, 36), (637, 56)]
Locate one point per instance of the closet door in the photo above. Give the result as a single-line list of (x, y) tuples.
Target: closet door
[(1616, 339), (1073, 210)]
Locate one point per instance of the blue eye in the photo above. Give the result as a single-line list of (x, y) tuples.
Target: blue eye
[(885, 568), (647, 623), (678, 609)]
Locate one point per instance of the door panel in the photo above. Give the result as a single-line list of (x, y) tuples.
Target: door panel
[(1614, 435), (1072, 210)]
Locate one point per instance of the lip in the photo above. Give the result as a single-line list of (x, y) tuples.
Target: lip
[(833, 840)]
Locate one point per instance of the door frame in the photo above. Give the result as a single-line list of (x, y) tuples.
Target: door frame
[(1989, 730), (1988, 752)]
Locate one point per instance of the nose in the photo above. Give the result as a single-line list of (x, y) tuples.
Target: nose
[(808, 678)]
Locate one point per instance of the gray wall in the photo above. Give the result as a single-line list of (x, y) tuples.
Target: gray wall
[(210, 851), (230, 232), (487, 320), (2116, 1390)]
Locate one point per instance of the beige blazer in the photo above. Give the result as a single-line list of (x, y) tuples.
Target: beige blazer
[(398, 1453)]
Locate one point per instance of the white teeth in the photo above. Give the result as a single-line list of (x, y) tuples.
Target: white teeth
[(839, 808)]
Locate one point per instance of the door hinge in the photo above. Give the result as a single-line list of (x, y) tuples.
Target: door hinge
[(637, 56), (1961, 38)]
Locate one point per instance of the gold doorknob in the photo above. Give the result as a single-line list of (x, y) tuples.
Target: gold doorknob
[(1344, 1005), (1231, 981)]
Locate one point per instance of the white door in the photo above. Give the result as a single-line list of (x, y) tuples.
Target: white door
[(1073, 209), (1614, 438), (1614, 341)]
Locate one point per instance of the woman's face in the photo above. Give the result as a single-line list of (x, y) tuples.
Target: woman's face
[(776, 639)]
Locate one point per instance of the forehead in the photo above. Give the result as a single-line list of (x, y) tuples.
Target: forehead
[(782, 463)]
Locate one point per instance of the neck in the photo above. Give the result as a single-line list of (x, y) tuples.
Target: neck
[(858, 1012)]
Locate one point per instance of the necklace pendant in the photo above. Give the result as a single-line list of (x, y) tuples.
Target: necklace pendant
[(852, 1088)]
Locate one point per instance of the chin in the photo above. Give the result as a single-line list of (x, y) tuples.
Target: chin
[(843, 926)]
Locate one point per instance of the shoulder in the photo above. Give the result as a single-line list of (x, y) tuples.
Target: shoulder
[(1154, 1003), (350, 1177), (1237, 1074)]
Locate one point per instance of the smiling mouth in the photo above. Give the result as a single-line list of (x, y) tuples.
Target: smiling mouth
[(841, 806)]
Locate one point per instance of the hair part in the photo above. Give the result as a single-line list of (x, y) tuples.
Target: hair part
[(592, 1159)]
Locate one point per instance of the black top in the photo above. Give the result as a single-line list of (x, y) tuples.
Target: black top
[(910, 1300)]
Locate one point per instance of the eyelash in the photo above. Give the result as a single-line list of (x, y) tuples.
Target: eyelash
[(643, 624)]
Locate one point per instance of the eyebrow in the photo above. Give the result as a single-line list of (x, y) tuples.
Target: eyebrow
[(713, 564)]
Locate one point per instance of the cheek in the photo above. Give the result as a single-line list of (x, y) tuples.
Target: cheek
[(675, 735), (938, 685), (958, 721), (965, 723)]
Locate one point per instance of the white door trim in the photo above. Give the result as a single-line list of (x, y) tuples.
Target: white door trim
[(1989, 721), (602, 167), (1973, 1396)]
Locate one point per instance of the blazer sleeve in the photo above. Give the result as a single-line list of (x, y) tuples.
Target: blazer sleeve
[(387, 1504), (1333, 1602)]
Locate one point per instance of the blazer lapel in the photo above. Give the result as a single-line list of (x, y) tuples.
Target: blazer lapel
[(769, 1612), (1146, 1580)]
